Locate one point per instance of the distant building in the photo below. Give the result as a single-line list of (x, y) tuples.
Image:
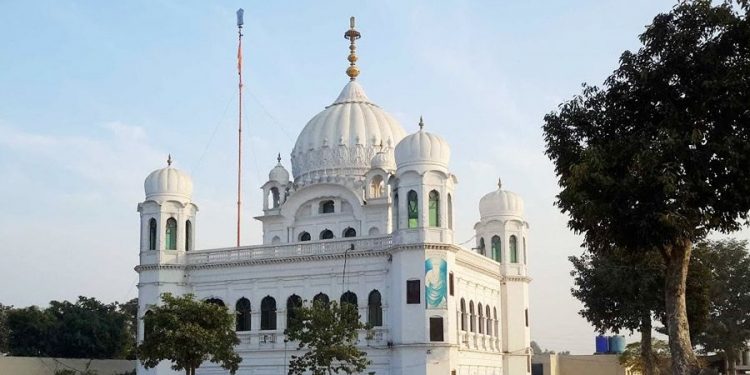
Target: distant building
[(367, 218), (600, 364)]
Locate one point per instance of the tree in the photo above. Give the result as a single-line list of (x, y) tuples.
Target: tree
[(188, 332), (728, 329), (622, 290), (633, 360), (130, 311), (86, 329), (4, 331), (328, 332), (657, 159), (29, 332)]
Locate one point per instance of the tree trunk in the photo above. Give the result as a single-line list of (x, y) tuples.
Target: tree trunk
[(647, 352), (677, 259), (731, 362)]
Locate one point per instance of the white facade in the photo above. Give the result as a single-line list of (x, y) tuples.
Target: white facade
[(368, 210)]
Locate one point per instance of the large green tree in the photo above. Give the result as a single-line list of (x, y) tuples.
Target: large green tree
[(728, 329), (29, 332), (328, 333), (657, 158), (622, 290), (188, 332), (129, 310), (87, 328), (4, 331)]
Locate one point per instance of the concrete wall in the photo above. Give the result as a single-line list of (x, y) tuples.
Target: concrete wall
[(48, 366), (581, 365)]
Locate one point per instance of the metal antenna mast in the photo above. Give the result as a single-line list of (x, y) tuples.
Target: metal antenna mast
[(240, 22)]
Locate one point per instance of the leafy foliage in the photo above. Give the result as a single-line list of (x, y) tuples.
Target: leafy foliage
[(129, 310), (4, 331), (658, 158), (328, 333), (29, 332), (728, 329), (631, 358), (188, 332)]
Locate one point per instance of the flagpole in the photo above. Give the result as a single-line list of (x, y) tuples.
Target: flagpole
[(239, 120)]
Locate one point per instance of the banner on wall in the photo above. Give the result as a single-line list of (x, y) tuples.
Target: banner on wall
[(436, 283)]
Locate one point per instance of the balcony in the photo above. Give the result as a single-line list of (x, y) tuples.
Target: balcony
[(290, 250)]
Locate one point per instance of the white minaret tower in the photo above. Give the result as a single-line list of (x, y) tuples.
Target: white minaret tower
[(422, 256), (502, 235), (167, 233)]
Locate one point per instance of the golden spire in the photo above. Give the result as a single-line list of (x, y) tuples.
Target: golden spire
[(352, 34)]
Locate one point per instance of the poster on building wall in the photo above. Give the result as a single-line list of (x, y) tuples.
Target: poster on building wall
[(436, 283)]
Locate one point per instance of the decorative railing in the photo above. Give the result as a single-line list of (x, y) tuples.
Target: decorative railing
[(273, 251)]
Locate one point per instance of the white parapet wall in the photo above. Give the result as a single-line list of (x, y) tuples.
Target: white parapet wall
[(48, 366)]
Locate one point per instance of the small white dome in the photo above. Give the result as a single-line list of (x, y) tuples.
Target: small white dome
[(279, 173), (344, 137), (500, 203), (168, 182), (383, 161), (423, 148)]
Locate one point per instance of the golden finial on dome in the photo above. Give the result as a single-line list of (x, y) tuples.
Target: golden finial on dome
[(352, 34)]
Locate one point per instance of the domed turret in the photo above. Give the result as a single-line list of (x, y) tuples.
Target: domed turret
[(279, 173), (167, 183), (423, 148), (500, 202), (343, 138), (383, 160)]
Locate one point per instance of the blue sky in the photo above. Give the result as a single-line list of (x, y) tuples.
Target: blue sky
[(93, 95)]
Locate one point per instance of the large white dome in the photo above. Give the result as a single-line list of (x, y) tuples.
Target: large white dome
[(168, 183), (343, 138), (423, 148), (500, 203)]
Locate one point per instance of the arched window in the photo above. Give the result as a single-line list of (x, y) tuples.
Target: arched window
[(450, 212), (268, 313), (215, 301), (171, 234), (374, 309), (376, 187), (395, 211), (293, 304), (463, 314), (152, 234), (275, 240), (496, 249), (513, 249), (412, 208), (481, 246), (350, 299), (489, 320), (275, 197), (326, 207), (374, 231), (480, 318), (472, 321), (494, 317), (188, 235), (434, 208), (147, 328), (326, 234), (349, 232), (321, 298), (243, 311), (304, 236)]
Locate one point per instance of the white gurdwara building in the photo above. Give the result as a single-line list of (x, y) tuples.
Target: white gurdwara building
[(367, 219)]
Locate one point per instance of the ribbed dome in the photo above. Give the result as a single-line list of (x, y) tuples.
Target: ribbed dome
[(500, 202), (423, 148), (342, 139), (279, 173), (167, 183)]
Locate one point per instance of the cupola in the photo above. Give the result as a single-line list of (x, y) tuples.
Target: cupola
[(168, 182)]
